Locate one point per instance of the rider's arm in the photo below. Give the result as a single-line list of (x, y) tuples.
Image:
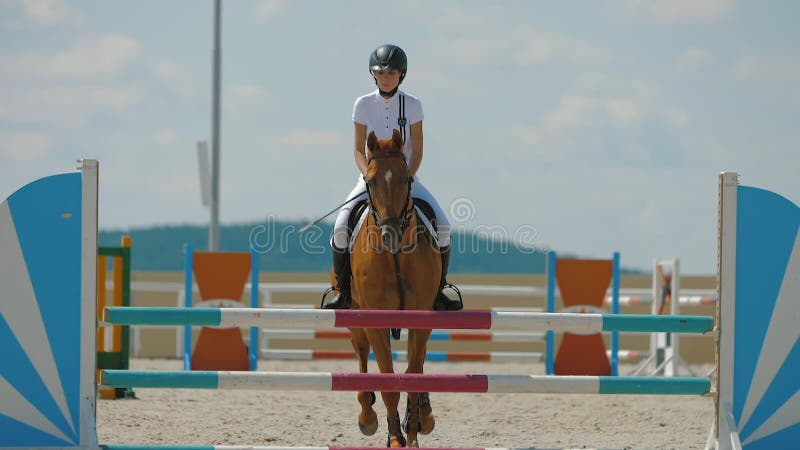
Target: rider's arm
[(360, 142), (416, 148)]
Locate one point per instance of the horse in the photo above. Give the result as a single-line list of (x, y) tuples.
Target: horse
[(395, 266)]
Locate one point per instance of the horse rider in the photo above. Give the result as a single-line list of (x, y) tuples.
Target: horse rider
[(382, 111)]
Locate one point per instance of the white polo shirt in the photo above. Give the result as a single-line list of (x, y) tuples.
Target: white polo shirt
[(381, 115)]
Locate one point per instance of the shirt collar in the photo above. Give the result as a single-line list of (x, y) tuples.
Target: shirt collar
[(390, 99)]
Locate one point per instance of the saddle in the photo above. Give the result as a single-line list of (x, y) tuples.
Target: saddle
[(425, 213)]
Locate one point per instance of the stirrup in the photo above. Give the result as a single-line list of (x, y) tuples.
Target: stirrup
[(325, 294), (328, 291), (455, 289), (446, 305)]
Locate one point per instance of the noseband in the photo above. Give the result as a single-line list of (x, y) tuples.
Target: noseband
[(402, 224)]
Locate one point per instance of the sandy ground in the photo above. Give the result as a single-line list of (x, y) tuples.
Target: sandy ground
[(248, 417)]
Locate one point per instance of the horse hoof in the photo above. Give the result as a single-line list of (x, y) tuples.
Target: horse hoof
[(413, 444), (427, 424), (370, 428), (395, 442)]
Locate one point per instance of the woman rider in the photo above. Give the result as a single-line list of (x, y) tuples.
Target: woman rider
[(382, 111)]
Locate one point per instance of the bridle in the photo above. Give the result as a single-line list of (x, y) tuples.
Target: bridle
[(403, 222), (394, 221)]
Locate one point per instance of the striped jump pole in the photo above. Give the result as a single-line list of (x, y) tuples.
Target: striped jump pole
[(489, 308), (683, 300), (434, 356), (436, 336), (402, 356), (407, 382), (256, 447), (530, 321)]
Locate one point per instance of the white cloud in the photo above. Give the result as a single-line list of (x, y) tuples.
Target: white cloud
[(692, 60), (675, 116), (523, 46), (97, 75), (176, 78), (601, 120), (527, 136), (625, 111), (675, 11), (471, 35), (135, 190), (167, 69), (246, 99), (97, 58), (579, 111), (166, 138), (106, 56), (571, 112), (66, 105), (312, 140), (433, 78), (268, 10), (23, 146), (247, 92), (38, 14), (774, 73)]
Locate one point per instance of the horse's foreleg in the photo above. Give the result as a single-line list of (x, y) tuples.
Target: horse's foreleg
[(379, 340), (367, 418), (419, 416)]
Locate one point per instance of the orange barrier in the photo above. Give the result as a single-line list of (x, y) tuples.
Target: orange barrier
[(221, 278), (583, 284)]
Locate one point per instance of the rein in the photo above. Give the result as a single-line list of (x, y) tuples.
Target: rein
[(401, 291), (406, 211)]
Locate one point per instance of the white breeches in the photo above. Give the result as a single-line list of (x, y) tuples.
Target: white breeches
[(341, 233)]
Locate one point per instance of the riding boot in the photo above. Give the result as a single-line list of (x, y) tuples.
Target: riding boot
[(443, 302), (341, 267)]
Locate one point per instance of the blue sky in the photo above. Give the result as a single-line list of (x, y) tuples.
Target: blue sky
[(600, 125)]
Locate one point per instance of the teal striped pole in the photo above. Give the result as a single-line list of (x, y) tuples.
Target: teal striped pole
[(391, 382), (509, 320)]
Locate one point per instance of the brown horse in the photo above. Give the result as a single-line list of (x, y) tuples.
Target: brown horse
[(395, 266)]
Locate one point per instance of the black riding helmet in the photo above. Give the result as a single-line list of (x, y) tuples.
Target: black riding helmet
[(387, 57)]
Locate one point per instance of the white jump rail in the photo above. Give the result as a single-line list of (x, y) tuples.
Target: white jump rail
[(628, 296)]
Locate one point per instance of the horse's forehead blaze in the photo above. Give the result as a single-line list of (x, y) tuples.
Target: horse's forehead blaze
[(388, 177)]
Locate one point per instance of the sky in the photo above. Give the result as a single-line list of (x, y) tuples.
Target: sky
[(582, 127)]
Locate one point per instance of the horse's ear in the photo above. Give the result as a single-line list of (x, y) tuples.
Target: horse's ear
[(397, 138), (372, 141)]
